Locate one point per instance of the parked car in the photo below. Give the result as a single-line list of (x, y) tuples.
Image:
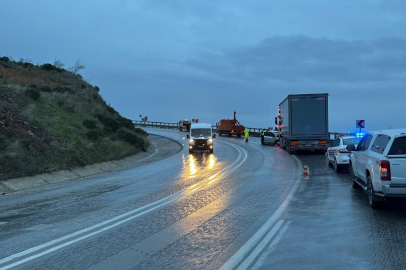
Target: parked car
[(270, 138), (378, 165), (337, 155)]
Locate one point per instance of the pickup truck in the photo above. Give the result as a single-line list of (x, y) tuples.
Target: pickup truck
[(378, 165)]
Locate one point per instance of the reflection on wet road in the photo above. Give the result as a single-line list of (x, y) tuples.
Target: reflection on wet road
[(244, 207)]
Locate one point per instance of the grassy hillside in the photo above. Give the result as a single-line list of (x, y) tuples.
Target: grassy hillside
[(51, 119)]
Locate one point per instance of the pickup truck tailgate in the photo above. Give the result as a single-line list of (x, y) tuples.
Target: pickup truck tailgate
[(397, 160)]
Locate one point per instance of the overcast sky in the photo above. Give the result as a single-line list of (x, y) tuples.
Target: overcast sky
[(172, 59)]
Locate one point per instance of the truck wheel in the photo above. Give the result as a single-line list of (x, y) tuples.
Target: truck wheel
[(238, 135), (288, 149), (229, 134), (373, 202)]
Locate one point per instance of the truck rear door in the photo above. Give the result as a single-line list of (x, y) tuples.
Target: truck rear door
[(397, 160), (309, 116)]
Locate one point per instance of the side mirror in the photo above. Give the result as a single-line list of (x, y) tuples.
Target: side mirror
[(188, 136), (214, 136), (351, 147)]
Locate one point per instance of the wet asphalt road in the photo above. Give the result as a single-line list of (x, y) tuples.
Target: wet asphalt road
[(245, 206)]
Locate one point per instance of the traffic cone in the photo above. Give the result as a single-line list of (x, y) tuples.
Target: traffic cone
[(305, 171)]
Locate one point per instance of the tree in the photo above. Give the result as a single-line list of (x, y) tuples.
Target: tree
[(76, 67), (58, 63)]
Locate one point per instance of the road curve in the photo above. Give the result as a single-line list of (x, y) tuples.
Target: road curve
[(198, 211)]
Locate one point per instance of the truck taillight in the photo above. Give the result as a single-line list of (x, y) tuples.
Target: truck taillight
[(294, 142), (384, 170)]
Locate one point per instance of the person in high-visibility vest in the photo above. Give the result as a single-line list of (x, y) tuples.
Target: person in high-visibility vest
[(263, 135), (247, 134)]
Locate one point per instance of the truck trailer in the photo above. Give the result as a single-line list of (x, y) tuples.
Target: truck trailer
[(303, 122)]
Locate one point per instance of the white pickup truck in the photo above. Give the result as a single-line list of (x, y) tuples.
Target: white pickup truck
[(378, 165)]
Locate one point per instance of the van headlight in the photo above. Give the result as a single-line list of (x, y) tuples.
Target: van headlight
[(210, 141), (192, 142)]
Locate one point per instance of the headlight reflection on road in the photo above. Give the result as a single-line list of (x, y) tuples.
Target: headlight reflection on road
[(212, 161), (192, 165)]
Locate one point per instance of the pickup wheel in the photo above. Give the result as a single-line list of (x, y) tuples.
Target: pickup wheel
[(354, 184), (329, 163), (373, 202)]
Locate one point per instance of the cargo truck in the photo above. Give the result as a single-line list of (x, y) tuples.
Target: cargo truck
[(303, 122), (230, 127)]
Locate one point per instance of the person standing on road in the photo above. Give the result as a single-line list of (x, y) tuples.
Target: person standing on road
[(263, 136), (247, 134)]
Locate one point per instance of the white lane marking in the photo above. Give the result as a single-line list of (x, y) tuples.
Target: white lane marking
[(244, 250), (272, 246), (260, 246), (160, 203)]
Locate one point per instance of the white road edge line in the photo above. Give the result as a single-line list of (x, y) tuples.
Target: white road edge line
[(260, 246), (272, 246), (169, 199), (244, 250)]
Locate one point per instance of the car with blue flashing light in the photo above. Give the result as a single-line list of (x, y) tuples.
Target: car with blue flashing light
[(201, 137), (337, 154), (378, 165)]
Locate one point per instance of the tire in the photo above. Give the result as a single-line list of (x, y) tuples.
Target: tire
[(211, 151), (329, 163), (372, 200), (354, 184), (238, 135), (288, 149), (191, 151), (229, 134), (337, 167)]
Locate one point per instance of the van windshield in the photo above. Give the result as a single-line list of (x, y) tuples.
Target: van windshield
[(201, 132)]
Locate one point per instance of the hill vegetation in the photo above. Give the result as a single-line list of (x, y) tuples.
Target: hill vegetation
[(51, 119)]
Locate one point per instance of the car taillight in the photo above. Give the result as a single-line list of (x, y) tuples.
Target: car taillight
[(343, 150), (384, 170)]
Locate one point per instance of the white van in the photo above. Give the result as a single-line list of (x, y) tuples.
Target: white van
[(201, 137)]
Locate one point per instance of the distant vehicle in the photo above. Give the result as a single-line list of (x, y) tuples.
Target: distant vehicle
[(303, 122), (337, 155), (270, 138), (184, 125), (230, 127), (378, 165), (201, 137)]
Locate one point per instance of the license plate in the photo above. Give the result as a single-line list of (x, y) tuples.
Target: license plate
[(201, 146)]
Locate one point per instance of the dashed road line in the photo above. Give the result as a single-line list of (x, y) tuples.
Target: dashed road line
[(244, 252), (56, 244)]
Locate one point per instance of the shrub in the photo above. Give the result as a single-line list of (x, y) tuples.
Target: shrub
[(70, 109), (141, 132), (3, 143), (28, 65), (83, 86), (61, 89), (110, 125), (94, 96), (127, 123), (50, 67), (44, 88), (60, 103), (4, 59), (132, 139), (33, 94), (97, 88), (33, 86), (90, 124), (93, 135), (111, 109)]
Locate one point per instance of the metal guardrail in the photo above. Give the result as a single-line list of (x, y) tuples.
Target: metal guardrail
[(253, 131)]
